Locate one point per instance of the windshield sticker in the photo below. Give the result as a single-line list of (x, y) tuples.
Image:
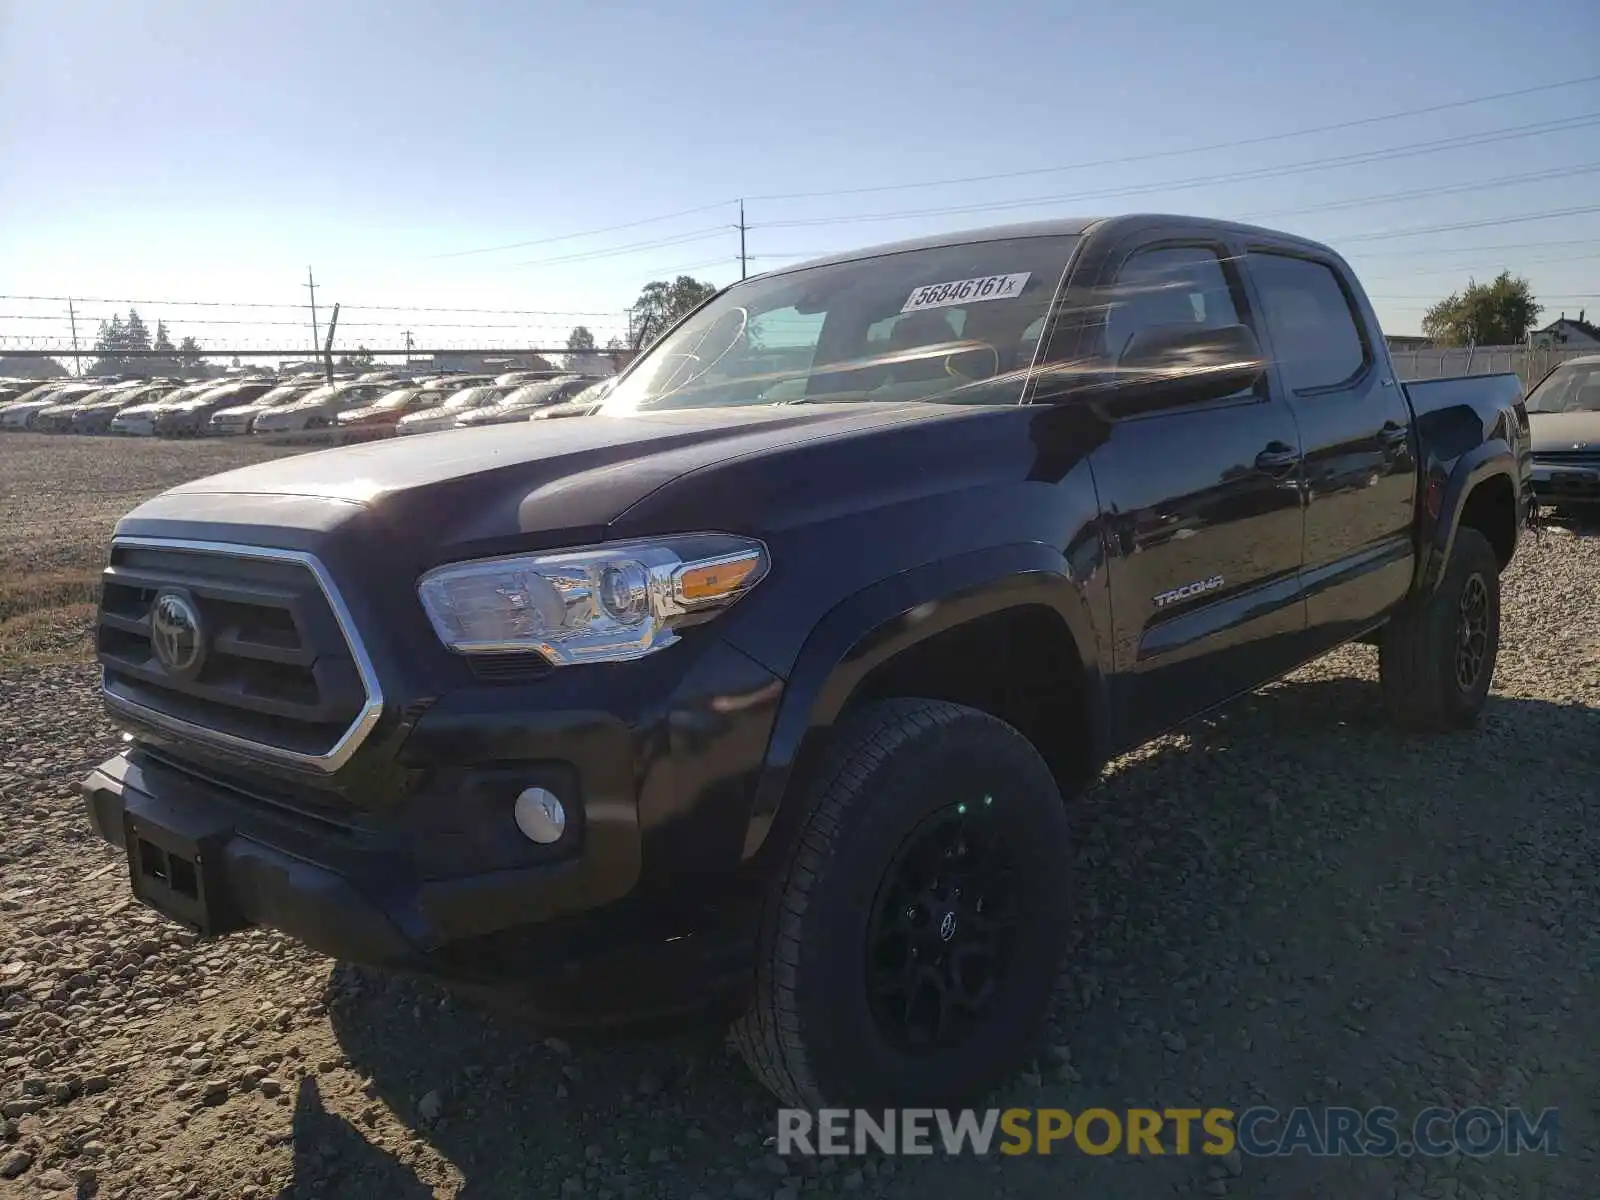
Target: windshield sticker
[(966, 291)]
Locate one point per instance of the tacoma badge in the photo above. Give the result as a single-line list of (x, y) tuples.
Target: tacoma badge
[(1187, 590)]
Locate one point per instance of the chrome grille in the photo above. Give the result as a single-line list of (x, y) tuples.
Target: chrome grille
[(282, 675)]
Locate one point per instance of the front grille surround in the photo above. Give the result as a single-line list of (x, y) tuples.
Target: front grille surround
[(201, 716)]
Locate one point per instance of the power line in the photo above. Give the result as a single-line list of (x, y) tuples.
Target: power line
[(567, 237), (1429, 147), (1467, 269), (299, 324), (1423, 193), (1150, 156), (1160, 154), (1540, 296), (1479, 249), (698, 235), (406, 308), (1421, 229)]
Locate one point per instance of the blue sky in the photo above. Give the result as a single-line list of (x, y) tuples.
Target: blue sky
[(192, 150)]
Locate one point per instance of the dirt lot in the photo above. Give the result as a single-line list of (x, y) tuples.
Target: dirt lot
[(1286, 904)]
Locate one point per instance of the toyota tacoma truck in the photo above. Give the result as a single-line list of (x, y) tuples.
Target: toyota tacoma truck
[(764, 689)]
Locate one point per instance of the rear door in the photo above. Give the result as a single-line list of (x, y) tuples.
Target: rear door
[(1356, 431), (1200, 504)]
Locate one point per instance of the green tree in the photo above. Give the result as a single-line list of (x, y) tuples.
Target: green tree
[(660, 304), (580, 338), (361, 359), (167, 363), (108, 344), (135, 334), (189, 355), (1500, 313)]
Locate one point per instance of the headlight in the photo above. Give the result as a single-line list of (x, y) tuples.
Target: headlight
[(606, 603)]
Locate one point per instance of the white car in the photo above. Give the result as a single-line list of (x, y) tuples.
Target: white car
[(240, 418), (444, 416), (139, 420), (522, 402), (457, 383), (20, 415), (318, 408)]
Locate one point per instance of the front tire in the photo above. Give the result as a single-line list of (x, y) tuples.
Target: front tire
[(1436, 660), (909, 949)]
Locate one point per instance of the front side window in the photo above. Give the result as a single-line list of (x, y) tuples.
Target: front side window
[(1314, 330), (953, 324), (1183, 286)]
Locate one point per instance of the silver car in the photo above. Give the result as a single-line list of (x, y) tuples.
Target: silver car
[(527, 399), (139, 420), (240, 418), (444, 417), (20, 414), (319, 408)]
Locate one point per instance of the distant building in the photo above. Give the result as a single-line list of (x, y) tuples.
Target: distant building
[(1569, 333), (484, 364), (1406, 341)]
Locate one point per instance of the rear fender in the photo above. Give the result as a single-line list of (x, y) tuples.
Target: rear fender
[(1453, 483), (873, 625)]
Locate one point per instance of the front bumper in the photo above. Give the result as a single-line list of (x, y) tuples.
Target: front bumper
[(635, 912), (1566, 483), (279, 424), (99, 422), (181, 425), (19, 420), (134, 426)]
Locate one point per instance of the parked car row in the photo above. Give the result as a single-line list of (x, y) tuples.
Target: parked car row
[(380, 403)]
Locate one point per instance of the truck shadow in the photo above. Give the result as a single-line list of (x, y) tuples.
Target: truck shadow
[(1200, 858)]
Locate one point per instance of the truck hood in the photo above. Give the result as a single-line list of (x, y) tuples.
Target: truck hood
[(490, 490), (1565, 431)]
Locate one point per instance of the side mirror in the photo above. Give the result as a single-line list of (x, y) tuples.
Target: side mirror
[(1179, 364)]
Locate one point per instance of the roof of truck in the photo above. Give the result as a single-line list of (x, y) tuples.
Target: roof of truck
[(1056, 227)]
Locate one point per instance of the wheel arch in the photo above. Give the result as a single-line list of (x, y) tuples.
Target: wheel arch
[(1478, 490), (896, 630)]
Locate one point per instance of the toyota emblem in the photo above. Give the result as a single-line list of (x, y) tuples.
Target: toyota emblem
[(947, 927), (175, 633)]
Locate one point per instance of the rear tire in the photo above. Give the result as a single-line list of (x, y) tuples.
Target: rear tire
[(909, 948), (1437, 658)]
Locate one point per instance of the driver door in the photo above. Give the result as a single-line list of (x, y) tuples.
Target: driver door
[(1201, 506)]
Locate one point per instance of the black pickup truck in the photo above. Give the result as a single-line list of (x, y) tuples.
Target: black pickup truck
[(763, 687)]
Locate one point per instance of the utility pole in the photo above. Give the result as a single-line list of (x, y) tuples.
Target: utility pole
[(408, 347), (327, 351), (743, 271), (312, 284), (72, 316)]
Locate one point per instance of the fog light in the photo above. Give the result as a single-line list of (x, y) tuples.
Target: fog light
[(540, 815)]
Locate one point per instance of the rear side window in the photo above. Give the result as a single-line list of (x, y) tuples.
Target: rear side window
[(1314, 330)]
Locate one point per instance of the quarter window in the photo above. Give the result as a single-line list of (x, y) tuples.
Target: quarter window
[(1314, 330)]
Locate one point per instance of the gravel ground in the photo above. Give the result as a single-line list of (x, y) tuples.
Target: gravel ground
[(1285, 904)]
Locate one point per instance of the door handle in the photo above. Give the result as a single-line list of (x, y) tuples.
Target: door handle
[(1277, 458)]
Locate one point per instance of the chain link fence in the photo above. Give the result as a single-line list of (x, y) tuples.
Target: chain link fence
[(1530, 363)]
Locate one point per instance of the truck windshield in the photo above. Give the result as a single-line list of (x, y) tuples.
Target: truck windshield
[(955, 324), (1573, 387)]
